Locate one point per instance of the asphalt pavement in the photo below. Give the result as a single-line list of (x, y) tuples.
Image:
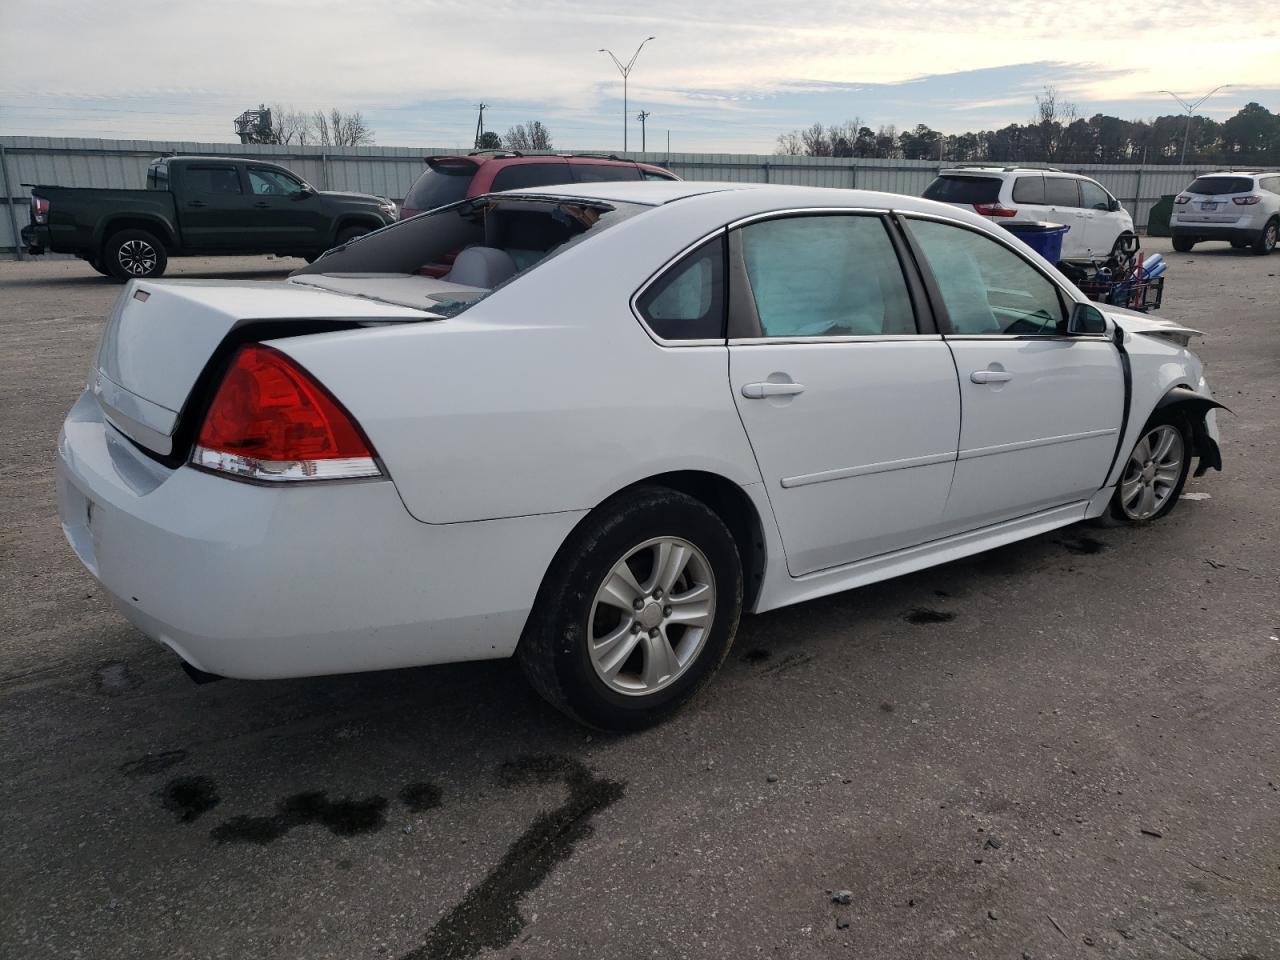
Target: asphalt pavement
[(1067, 747)]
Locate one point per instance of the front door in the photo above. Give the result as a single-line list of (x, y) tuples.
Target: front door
[(1041, 411), (852, 412), (284, 216)]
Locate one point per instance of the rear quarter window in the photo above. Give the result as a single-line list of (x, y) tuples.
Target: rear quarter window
[(1217, 186), (962, 189), (518, 176), (603, 172), (439, 186)]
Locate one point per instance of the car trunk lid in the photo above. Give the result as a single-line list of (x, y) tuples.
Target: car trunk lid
[(161, 337)]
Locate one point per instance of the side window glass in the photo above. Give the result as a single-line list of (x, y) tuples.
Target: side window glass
[(986, 287), (215, 180), (521, 175), (602, 172), (1093, 197), (272, 183), (1061, 192), (826, 276), (1028, 190), (651, 175), (688, 301)]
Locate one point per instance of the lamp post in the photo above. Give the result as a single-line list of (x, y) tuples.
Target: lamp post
[(1190, 108), (642, 116), (626, 72)]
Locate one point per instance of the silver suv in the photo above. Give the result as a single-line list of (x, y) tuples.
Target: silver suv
[(1243, 208)]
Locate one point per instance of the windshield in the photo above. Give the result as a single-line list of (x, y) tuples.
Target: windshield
[(958, 189), (474, 246), (1217, 186)]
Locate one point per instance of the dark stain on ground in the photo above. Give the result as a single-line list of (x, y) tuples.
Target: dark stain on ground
[(925, 615), (489, 917), (345, 818), (421, 796), (1084, 545), (886, 706), (150, 763), (757, 655), (189, 797)]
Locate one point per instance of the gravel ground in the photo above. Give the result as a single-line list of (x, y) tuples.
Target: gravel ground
[(1066, 747)]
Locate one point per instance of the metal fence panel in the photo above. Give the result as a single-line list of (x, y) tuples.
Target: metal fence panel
[(391, 171)]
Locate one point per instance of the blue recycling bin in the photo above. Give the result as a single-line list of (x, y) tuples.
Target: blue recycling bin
[(1042, 237)]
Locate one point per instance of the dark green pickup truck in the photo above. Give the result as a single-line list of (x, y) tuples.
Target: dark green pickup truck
[(198, 206)]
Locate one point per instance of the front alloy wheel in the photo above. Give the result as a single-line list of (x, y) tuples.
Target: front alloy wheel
[(651, 616), (1154, 473)]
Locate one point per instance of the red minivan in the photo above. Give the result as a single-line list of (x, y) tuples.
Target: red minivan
[(452, 178)]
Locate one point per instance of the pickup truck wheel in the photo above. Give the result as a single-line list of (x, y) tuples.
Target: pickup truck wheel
[(97, 265), (350, 233), (134, 255)]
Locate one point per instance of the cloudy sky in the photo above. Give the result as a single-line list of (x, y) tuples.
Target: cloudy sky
[(722, 75)]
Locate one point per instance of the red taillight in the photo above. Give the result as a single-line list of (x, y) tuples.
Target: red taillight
[(1183, 198), (271, 420), (996, 209), (39, 210), (1246, 201)]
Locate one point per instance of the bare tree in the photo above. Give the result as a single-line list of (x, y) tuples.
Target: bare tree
[(525, 137), (789, 145), (338, 129), (1052, 118)]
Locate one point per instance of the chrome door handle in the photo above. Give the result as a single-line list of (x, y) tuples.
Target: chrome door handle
[(758, 391), (196, 203), (990, 376)]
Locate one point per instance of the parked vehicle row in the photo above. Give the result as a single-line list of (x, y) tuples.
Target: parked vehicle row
[(591, 426)]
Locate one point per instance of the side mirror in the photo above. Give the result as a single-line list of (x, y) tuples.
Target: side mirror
[(1086, 319), (306, 191), (1113, 205)]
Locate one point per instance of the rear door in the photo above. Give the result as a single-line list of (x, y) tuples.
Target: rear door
[(213, 207), (1062, 202), (1041, 410), (1102, 226), (1028, 197), (851, 407)]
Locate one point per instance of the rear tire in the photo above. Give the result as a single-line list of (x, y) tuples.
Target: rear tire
[(134, 255), (606, 643), (1266, 241), (1155, 471), (1183, 244)]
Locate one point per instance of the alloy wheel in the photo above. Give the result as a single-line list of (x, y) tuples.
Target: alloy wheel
[(1152, 473), (137, 257), (651, 616)]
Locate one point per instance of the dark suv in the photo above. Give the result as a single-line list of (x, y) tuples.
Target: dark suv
[(453, 178)]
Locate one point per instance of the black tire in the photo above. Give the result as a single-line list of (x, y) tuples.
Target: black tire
[(134, 255), (1239, 244), (1183, 244), (97, 265), (1268, 238), (350, 233), (554, 650), (1116, 511)]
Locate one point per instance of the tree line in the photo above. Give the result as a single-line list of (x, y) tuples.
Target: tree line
[(1057, 133), (332, 128)]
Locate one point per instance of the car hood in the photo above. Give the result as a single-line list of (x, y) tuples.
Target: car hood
[(340, 195), (1132, 322)]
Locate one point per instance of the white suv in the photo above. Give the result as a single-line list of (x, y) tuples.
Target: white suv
[(1001, 194), (1243, 208)]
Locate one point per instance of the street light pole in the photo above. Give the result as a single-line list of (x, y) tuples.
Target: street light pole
[(642, 116), (1190, 108), (626, 72)]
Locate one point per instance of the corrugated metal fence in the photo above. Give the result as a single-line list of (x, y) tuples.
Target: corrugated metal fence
[(390, 171)]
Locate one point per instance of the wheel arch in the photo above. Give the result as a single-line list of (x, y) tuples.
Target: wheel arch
[(152, 225), (1195, 408)]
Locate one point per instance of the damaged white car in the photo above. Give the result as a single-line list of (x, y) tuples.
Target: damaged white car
[(589, 426)]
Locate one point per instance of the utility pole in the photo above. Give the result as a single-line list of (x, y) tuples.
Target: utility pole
[(626, 72), (479, 124), (642, 116), (1190, 108)]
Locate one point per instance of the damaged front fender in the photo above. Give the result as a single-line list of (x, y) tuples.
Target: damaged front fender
[(1195, 407)]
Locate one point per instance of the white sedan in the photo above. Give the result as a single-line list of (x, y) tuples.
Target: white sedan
[(588, 426)]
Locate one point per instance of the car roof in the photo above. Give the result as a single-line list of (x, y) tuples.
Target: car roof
[(987, 171), (1228, 173)]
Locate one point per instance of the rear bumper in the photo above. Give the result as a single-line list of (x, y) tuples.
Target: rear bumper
[(35, 238), (261, 582)]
